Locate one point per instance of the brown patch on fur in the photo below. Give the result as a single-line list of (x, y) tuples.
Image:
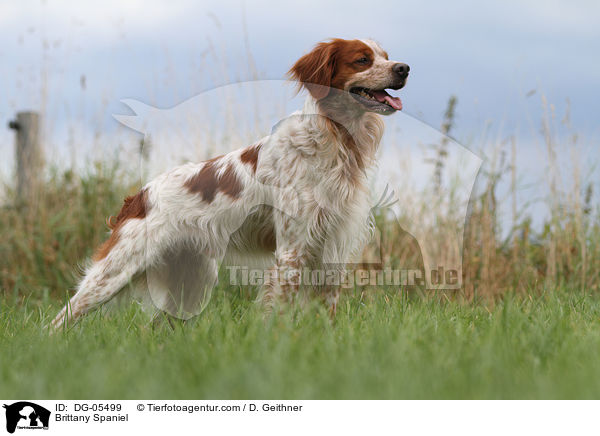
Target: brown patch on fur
[(229, 183), (250, 155), (134, 207), (106, 246), (330, 64), (206, 182), (346, 65)]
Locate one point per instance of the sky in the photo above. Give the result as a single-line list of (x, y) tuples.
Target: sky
[(505, 61), (490, 54)]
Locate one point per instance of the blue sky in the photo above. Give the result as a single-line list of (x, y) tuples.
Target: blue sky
[(76, 60)]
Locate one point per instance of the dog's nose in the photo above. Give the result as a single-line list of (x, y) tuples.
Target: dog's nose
[(401, 70)]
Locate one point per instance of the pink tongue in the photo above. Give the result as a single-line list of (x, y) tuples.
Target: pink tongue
[(382, 96)]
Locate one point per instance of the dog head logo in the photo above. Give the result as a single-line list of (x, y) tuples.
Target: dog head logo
[(26, 415)]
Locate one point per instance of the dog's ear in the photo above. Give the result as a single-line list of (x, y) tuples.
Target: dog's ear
[(315, 70)]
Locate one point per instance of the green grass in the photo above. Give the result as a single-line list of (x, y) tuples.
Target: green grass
[(385, 346)]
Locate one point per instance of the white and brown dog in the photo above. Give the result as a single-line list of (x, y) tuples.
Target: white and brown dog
[(179, 226)]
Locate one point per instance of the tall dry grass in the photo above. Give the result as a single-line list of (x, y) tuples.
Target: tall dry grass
[(502, 255), (564, 251), (43, 243)]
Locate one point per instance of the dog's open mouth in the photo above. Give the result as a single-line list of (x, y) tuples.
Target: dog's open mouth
[(376, 100)]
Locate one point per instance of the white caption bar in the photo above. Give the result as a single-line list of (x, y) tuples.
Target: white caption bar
[(151, 417)]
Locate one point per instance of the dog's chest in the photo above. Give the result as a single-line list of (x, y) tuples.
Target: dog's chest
[(333, 196)]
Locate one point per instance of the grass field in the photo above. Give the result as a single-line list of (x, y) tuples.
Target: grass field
[(379, 346)]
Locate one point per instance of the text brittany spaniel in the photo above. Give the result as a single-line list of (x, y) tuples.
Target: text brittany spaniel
[(179, 227)]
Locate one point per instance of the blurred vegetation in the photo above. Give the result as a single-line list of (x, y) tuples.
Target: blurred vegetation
[(44, 244), (506, 255)]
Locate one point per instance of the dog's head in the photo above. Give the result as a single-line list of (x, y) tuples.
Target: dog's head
[(359, 68)]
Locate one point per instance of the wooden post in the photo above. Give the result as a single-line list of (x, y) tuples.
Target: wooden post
[(30, 158)]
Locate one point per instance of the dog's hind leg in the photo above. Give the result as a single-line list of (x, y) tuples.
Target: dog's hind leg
[(126, 253)]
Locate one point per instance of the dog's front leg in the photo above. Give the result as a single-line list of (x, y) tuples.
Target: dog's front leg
[(284, 279)]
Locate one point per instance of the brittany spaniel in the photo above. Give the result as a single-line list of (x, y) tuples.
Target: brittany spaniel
[(175, 231)]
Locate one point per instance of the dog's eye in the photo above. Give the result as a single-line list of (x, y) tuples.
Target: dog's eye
[(362, 61)]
